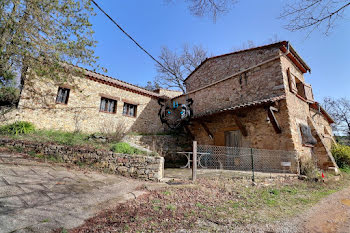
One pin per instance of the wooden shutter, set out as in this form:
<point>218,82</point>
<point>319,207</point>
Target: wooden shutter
<point>308,93</point>
<point>292,83</point>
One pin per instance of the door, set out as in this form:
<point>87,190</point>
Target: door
<point>233,138</point>
<point>233,141</point>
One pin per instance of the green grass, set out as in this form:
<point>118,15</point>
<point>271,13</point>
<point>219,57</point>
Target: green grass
<point>345,169</point>
<point>125,148</point>
<point>17,128</point>
<point>60,137</point>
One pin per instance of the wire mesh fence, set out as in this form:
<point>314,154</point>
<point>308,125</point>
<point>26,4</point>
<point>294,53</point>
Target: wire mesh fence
<point>246,159</point>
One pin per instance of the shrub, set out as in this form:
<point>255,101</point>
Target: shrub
<point>341,154</point>
<point>309,169</point>
<point>113,131</point>
<point>19,127</point>
<point>9,96</point>
<point>62,137</point>
<point>125,148</point>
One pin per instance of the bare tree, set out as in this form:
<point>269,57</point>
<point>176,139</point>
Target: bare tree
<point>211,8</point>
<point>178,67</point>
<point>339,109</point>
<point>314,14</point>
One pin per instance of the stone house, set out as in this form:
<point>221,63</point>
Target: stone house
<point>259,98</point>
<point>251,98</point>
<point>91,103</point>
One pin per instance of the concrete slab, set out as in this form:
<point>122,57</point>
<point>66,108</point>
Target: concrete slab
<point>39,197</point>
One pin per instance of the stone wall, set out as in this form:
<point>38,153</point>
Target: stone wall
<point>137,166</point>
<point>267,80</point>
<point>217,68</point>
<point>164,145</point>
<point>260,83</point>
<point>38,105</point>
<point>168,93</point>
<point>260,132</point>
<point>300,112</point>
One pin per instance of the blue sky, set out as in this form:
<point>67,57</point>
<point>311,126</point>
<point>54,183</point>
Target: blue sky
<point>156,23</point>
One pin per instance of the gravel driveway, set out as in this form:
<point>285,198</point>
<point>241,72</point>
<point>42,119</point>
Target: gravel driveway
<point>39,197</point>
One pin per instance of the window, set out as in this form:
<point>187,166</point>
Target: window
<point>129,110</point>
<point>108,105</point>
<point>301,89</point>
<point>62,95</point>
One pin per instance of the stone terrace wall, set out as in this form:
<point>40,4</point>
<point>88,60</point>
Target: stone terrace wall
<point>137,166</point>
<point>165,145</point>
<point>160,143</point>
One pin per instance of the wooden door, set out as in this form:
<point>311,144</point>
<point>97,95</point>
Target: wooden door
<point>233,138</point>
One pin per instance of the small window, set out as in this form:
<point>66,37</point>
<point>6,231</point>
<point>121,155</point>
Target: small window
<point>62,95</point>
<point>301,89</point>
<point>108,105</point>
<point>129,110</point>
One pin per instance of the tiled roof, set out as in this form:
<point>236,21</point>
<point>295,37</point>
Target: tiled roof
<point>117,83</point>
<point>241,106</point>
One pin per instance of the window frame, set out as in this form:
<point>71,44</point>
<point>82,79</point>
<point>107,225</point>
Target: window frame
<point>301,89</point>
<point>128,105</point>
<point>107,106</point>
<point>65,102</point>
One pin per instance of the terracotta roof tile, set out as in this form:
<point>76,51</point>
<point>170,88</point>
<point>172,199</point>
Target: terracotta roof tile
<point>241,106</point>
<point>116,82</point>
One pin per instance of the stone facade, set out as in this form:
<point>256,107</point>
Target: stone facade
<point>137,166</point>
<point>235,92</point>
<point>168,93</point>
<point>259,83</point>
<point>259,92</point>
<point>82,112</point>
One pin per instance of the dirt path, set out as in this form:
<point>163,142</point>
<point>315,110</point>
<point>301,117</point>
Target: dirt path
<point>331,215</point>
<point>40,197</point>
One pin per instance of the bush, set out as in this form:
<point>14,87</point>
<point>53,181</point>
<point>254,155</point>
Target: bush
<point>341,154</point>
<point>125,148</point>
<point>62,137</point>
<point>9,96</point>
<point>113,131</point>
<point>19,127</point>
<point>309,169</point>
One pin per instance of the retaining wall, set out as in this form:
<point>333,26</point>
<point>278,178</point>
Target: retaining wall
<point>137,166</point>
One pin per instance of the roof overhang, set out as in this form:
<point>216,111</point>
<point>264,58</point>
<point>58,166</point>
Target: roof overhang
<point>318,107</point>
<point>294,57</point>
<point>256,103</point>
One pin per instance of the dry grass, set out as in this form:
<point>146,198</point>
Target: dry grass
<point>210,204</point>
